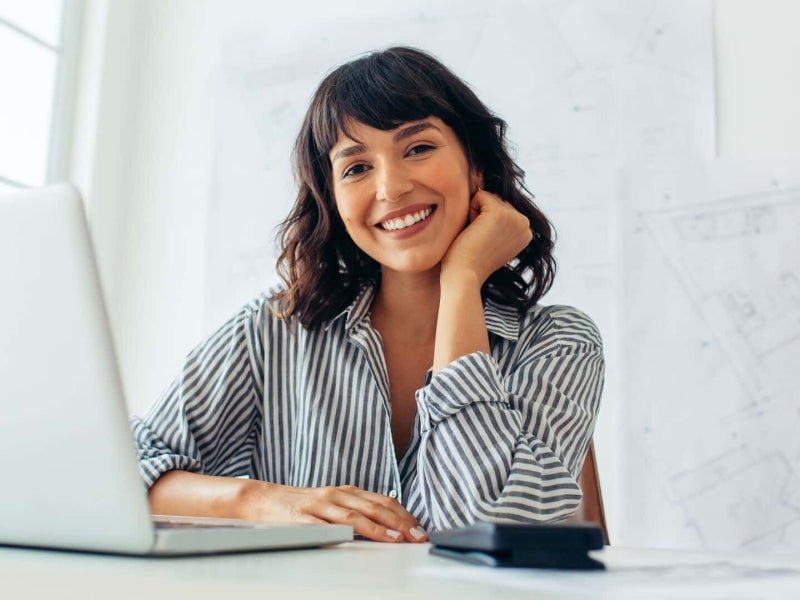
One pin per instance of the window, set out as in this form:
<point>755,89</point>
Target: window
<point>38,43</point>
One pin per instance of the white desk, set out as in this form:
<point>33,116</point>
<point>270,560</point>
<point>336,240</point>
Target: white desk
<point>375,571</point>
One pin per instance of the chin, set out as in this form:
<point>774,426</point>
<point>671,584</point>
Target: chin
<point>413,267</point>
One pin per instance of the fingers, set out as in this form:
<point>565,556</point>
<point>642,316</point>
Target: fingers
<point>479,200</point>
<point>474,211</point>
<point>310,520</point>
<point>512,222</point>
<point>496,233</point>
<point>371,515</point>
<point>361,524</point>
<point>386,512</point>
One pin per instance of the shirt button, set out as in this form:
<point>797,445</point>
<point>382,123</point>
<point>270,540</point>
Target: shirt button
<point>392,493</point>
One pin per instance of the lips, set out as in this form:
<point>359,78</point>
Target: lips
<point>401,219</point>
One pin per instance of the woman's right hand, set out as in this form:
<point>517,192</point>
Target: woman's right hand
<point>496,233</point>
<point>371,515</point>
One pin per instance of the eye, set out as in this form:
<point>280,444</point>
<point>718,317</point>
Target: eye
<point>420,149</point>
<point>354,170</point>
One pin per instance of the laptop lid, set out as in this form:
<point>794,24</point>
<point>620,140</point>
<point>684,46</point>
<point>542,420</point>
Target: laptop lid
<point>67,453</point>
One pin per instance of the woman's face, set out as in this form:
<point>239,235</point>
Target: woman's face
<point>403,194</point>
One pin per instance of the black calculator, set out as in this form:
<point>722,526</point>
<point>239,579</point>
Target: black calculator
<point>549,546</point>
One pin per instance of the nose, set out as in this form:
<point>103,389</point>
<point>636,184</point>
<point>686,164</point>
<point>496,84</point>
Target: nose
<point>392,182</point>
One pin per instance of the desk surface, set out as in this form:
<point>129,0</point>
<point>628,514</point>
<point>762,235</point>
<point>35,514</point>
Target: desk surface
<point>371,570</point>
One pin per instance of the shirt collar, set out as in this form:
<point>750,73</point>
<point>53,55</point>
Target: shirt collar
<point>501,320</point>
<point>357,311</point>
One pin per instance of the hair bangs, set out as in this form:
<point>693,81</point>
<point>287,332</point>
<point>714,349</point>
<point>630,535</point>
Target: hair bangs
<point>375,92</point>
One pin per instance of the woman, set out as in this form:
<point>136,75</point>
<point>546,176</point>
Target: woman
<point>404,378</point>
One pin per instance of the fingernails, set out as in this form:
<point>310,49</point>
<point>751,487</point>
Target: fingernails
<point>393,534</point>
<point>418,533</point>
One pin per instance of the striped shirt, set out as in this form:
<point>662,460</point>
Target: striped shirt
<point>497,437</point>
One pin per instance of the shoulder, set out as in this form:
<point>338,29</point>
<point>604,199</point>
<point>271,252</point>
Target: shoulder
<point>252,319</point>
<point>267,313</point>
<point>560,324</point>
<point>254,312</point>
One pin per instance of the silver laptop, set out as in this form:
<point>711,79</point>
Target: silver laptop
<point>67,457</point>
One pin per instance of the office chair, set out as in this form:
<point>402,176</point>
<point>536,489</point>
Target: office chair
<point>591,507</point>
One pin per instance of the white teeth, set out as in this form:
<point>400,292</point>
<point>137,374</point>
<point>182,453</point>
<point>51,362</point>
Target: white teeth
<point>407,221</point>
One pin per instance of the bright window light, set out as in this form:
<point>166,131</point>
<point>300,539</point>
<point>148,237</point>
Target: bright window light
<point>39,18</point>
<point>31,66</point>
<point>27,77</point>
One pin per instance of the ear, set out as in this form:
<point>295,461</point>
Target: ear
<point>475,180</point>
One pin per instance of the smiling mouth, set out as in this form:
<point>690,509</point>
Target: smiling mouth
<point>407,221</point>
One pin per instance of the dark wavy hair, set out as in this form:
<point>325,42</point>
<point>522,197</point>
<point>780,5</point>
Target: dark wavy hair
<point>322,268</point>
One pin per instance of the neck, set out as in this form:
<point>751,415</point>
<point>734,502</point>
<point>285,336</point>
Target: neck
<point>408,304</point>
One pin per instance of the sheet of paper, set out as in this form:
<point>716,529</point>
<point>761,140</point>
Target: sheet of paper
<point>712,319</point>
<point>636,574</point>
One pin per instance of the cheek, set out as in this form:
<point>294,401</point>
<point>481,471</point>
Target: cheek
<point>343,207</point>
<point>348,205</point>
<point>462,196</point>
<point>350,213</point>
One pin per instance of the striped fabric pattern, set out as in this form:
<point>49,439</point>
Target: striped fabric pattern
<point>496,437</point>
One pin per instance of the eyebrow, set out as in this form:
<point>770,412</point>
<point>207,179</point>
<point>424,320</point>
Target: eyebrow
<point>400,135</point>
<point>349,151</point>
<point>414,129</point>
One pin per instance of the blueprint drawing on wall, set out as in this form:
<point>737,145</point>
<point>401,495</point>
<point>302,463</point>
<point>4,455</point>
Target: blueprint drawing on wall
<point>712,293</point>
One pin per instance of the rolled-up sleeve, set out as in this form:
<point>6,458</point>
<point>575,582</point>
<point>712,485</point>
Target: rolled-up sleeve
<point>206,421</point>
<point>507,444</point>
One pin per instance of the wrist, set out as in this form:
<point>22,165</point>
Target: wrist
<point>250,498</point>
<point>460,278</point>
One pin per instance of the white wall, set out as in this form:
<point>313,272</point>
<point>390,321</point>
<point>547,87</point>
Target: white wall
<point>757,77</point>
<point>142,154</point>
<point>141,158</point>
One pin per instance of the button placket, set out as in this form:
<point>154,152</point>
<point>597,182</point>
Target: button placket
<point>369,340</point>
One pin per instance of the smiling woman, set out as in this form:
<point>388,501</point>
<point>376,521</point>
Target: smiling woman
<point>405,376</point>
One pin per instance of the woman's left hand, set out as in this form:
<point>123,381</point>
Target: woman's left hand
<point>496,233</point>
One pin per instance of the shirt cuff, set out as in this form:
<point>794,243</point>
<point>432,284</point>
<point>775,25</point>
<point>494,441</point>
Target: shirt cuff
<point>471,378</point>
<point>153,468</point>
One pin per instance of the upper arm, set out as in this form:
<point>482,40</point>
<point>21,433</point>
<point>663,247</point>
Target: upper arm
<point>205,420</point>
<point>556,380</point>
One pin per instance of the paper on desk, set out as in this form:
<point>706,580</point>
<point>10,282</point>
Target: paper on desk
<point>642,575</point>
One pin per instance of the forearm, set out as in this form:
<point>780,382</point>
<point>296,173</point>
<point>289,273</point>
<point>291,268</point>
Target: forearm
<point>478,458</point>
<point>193,494</point>
<point>468,472</point>
<point>460,327</point>
<point>491,452</point>
<point>496,233</point>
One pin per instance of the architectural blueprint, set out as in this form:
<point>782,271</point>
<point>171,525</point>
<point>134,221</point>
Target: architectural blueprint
<point>712,323</point>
